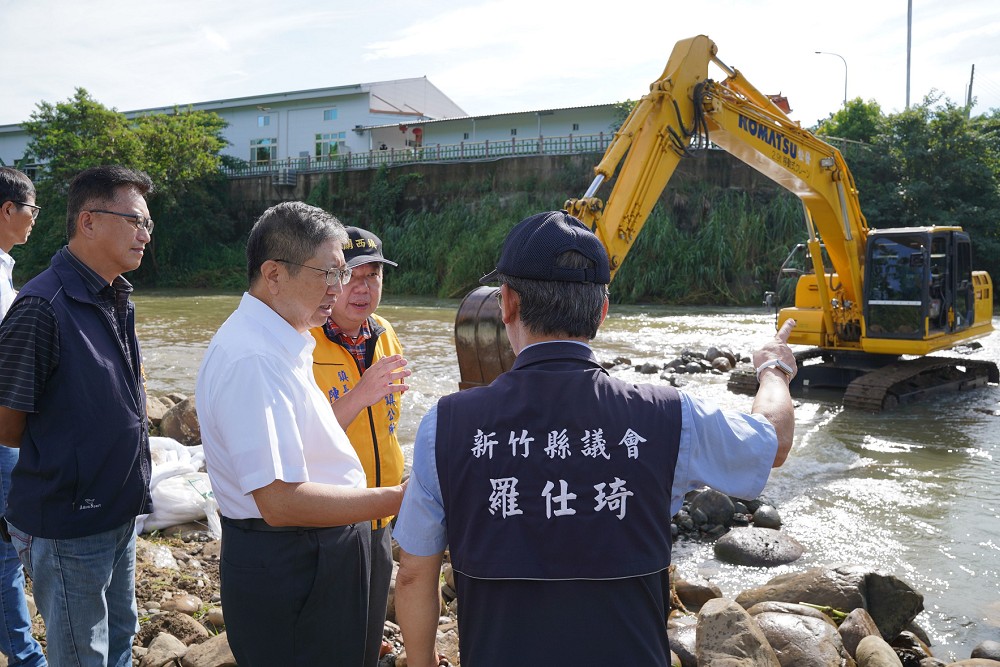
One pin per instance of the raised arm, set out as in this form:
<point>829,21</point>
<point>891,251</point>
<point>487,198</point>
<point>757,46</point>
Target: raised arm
<point>773,400</point>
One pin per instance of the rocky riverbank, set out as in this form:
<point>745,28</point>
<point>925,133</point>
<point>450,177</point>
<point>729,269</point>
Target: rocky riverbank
<point>837,616</point>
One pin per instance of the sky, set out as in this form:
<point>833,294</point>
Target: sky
<point>491,56</point>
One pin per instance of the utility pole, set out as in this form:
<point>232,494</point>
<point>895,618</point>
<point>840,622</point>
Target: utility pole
<point>909,38</point>
<point>968,98</point>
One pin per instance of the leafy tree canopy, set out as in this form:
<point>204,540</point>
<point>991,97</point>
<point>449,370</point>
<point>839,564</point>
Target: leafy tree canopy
<point>179,151</point>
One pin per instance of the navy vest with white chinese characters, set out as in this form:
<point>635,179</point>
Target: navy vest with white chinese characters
<point>84,465</point>
<point>558,471</point>
<point>556,483</point>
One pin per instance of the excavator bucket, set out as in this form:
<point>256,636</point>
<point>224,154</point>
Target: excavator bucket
<point>481,339</point>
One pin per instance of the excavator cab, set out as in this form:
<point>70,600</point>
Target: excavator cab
<point>918,283</point>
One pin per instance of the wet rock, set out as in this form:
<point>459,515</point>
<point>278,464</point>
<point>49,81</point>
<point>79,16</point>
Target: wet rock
<point>164,650</point>
<point>179,625</point>
<point>674,364</point>
<point>647,369</point>
<point>910,649</point>
<point>932,662</point>
<point>858,625</point>
<point>699,517</point>
<point>975,662</point>
<point>722,364</point>
<point>767,517</point>
<point>891,602</point>
<point>789,608</point>
<point>694,593</point>
<point>758,547</point>
<point>873,651</point>
<point>181,423</point>
<point>802,641</point>
<point>214,652</point>
<point>717,507</point>
<point>727,635</point>
<point>988,649</point>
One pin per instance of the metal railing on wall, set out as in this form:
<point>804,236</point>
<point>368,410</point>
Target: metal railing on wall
<point>464,151</point>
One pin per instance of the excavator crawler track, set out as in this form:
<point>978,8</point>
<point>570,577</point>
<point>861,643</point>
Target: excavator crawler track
<point>910,380</point>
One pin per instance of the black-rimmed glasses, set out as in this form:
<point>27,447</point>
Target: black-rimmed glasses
<point>138,221</point>
<point>34,209</point>
<point>333,276</point>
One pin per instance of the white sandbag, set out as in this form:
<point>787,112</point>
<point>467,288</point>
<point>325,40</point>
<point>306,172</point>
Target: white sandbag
<point>180,499</point>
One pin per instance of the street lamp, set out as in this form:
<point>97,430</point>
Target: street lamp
<point>827,53</point>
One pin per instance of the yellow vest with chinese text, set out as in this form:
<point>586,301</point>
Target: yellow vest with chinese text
<point>373,431</point>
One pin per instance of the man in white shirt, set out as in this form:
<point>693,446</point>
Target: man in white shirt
<point>291,489</point>
<point>17,216</point>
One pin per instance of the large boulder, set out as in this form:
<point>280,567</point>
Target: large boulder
<point>803,641</point>
<point>717,507</point>
<point>891,603</point>
<point>181,423</point>
<point>728,637</point>
<point>757,547</point>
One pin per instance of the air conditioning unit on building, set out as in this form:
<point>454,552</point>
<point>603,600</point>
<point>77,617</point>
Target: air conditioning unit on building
<point>284,177</point>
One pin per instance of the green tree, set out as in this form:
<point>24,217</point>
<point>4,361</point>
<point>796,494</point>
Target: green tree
<point>180,152</point>
<point>857,121</point>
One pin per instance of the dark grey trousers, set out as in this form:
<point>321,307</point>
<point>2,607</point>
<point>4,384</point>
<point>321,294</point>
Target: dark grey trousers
<point>296,597</point>
<point>378,597</point>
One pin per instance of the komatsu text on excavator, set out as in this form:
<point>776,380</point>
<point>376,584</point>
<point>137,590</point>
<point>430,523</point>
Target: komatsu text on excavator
<point>872,303</point>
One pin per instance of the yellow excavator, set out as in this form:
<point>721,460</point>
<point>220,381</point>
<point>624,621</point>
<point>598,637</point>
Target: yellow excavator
<point>871,303</point>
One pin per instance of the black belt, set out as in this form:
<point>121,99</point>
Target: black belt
<point>263,526</point>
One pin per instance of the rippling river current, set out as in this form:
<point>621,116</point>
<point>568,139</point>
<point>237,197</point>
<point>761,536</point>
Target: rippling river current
<point>914,492</point>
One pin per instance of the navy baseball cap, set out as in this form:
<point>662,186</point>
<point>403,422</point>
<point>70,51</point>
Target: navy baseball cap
<point>532,246</point>
<point>363,247</point>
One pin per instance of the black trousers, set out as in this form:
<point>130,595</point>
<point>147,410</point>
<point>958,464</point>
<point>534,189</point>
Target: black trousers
<point>296,597</point>
<point>378,597</point>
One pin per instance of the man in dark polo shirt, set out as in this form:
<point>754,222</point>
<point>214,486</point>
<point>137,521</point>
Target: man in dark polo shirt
<point>72,400</point>
<point>18,211</point>
<point>554,486</point>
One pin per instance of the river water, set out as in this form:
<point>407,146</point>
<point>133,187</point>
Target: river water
<point>913,492</point>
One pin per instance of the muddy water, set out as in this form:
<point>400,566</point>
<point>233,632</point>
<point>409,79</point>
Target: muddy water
<point>914,492</point>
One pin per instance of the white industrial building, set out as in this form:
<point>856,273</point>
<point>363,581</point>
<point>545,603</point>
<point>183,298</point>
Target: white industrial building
<point>371,123</point>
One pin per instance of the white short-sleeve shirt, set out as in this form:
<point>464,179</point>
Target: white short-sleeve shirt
<point>262,416</point>
<point>7,292</point>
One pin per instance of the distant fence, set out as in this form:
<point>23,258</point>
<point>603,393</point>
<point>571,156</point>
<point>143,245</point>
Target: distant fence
<point>284,172</point>
<point>461,152</point>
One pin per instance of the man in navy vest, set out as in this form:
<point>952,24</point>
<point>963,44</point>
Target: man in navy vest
<point>554,486</point>
<point>72,400</point>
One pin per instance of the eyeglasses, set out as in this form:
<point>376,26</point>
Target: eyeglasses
<point>333,276</point>
<point>34,209</point>
<point>138,221</point>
